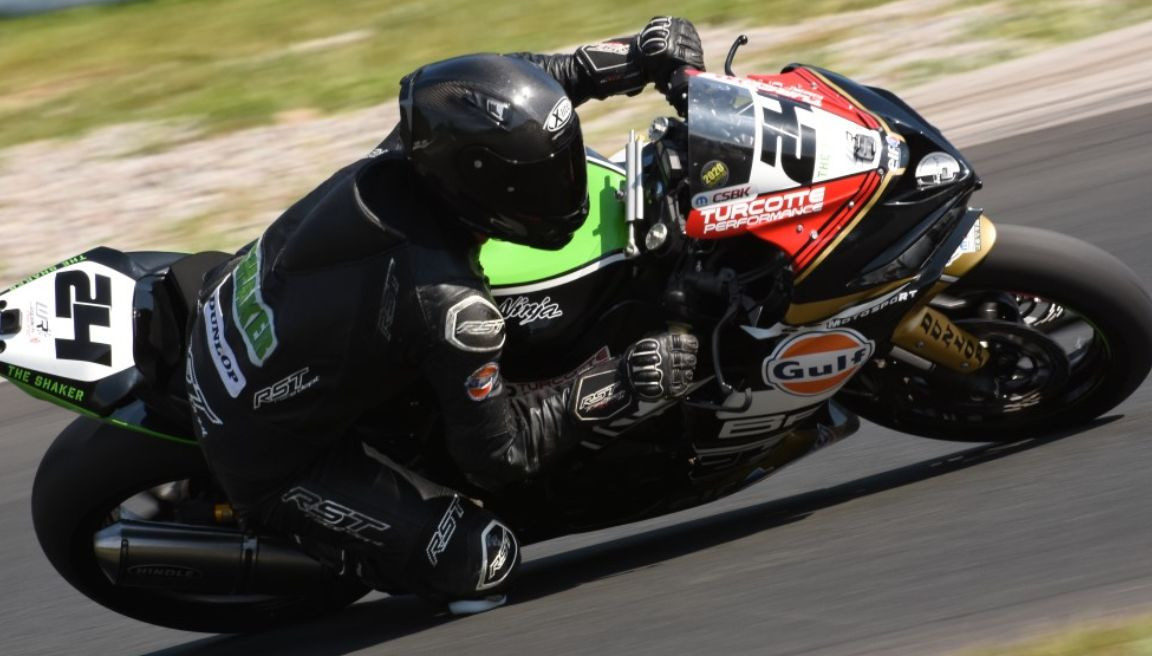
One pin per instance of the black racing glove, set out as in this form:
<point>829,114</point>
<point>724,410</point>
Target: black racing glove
<point>668,44</point>
<point>661,366</point>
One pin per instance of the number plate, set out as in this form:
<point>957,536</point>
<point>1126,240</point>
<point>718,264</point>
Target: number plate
<point>75,323</point>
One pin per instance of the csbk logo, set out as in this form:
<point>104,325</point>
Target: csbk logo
<point>816,363</point>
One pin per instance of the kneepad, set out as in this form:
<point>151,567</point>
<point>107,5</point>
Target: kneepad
<point>468,552</point>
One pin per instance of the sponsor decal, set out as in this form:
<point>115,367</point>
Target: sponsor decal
<point>475,325</point>
<point>559,116</point>
<point>758,426</point>
<point>253,318</point>
<point>863,146</point>
<point>860,312</point>
<point>895,156</point>
<point>45,384</point>
<point>444,531</point>
<point>38,322</point>
<point>818,362</point>
<point>336,516</point>
<point>222,356</point>
<point>484,382</point>
<point>722,196</point>
<point>600,396</point>
<point>714,174</point>
<point>942,333</point>
<point>600,356</point>
<point>529,311</point>
<point>613,47</point>
<point>87,302</point>
<point>499,553</point>
<point>164,572</point>
<point>284,389</point>
<point>200,407</point>
<point>823,165</point>
<point>971,243</point>
<point>374,153</point>
<point>762,210</point>
<point>388,302</point>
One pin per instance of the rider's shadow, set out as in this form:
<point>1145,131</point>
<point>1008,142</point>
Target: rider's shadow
<point>376,622</point>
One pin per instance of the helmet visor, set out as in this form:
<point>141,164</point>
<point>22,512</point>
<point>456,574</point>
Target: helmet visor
<point>550,190</point>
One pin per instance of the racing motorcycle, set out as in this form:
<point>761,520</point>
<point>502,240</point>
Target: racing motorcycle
<point>815,232</point>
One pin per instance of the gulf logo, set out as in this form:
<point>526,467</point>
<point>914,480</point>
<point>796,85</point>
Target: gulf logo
<point>484,382</point>
<point>816,363</point>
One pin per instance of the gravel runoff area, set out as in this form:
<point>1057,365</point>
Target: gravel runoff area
<point>159,186</point>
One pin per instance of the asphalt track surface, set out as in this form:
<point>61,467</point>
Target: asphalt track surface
<point>883,544</point>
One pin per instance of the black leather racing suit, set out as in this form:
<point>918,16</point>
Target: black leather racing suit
<point>363,287</point>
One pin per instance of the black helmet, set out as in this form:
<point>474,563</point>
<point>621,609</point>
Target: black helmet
<point>498,138</point>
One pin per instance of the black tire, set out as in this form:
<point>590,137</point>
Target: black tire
<point>90,469</point>
<point>1079,276</point>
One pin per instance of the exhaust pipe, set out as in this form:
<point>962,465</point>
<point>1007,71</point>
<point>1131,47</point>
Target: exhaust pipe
<point>203,559</point>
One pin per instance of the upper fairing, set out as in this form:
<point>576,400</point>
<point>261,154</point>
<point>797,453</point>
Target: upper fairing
<point>785,157</point>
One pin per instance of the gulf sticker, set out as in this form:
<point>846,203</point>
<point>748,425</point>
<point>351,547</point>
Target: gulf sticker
<point>816,363</point>
<point>484,382</point>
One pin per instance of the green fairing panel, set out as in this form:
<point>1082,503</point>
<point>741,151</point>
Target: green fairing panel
<point>604,232</point>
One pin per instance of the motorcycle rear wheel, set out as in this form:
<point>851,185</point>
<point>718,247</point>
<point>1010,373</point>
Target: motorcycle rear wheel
<point>1034,289</point>
<point>90,470</point>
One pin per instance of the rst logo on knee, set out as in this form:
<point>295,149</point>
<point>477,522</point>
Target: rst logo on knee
<point>335,516</point>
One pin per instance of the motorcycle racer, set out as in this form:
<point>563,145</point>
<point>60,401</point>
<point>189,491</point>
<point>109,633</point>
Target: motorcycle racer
<point>371,284</point>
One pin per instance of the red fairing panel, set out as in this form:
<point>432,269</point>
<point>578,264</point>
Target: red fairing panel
<point>805,86</point>
<point>801,221</point>
<point>817,161</point>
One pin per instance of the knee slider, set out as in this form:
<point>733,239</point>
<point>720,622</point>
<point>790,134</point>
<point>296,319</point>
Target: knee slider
<point>469,553</point>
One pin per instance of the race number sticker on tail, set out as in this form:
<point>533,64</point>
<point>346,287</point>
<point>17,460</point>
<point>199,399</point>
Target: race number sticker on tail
<point>816,363</point>
<point>73,320</point>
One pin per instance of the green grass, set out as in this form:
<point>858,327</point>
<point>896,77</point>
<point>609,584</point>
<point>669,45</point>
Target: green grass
<point>232,63</point>
<point>1131,639</point>
<point>227,64</point>
<point>1047,22</point>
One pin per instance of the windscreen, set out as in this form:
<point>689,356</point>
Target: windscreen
<point>721,133</point>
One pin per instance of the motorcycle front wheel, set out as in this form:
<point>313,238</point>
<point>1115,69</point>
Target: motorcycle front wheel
<point>94,474</point>
<point>1069,329</point>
